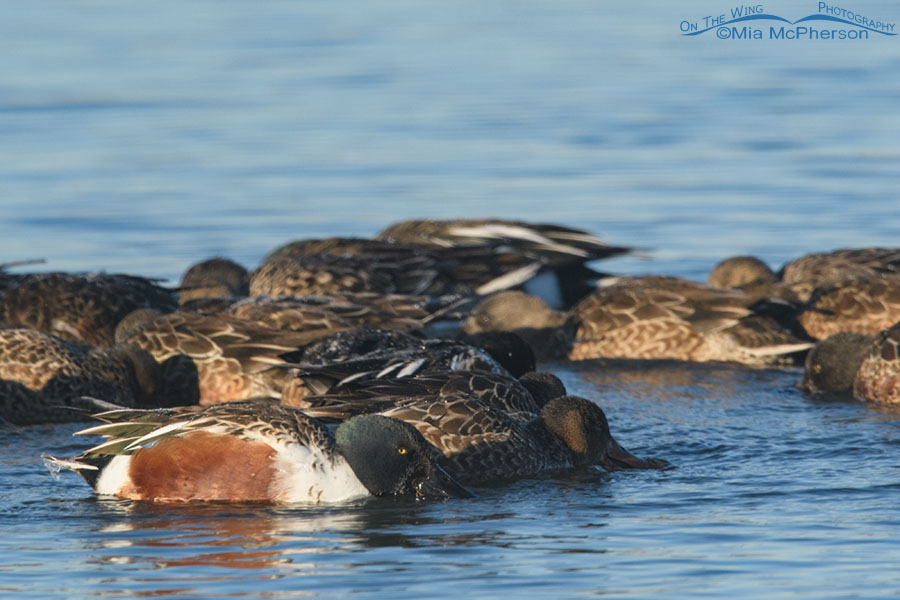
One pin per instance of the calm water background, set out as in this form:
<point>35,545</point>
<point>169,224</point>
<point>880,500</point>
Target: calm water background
<point>143,137</point>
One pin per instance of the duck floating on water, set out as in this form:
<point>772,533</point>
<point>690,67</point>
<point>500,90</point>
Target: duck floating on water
<point>256,452</point>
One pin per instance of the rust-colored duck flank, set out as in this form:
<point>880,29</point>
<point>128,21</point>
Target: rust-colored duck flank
<point>255,452</point>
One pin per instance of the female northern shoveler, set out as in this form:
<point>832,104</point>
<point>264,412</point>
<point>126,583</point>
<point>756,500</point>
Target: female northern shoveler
<point>391,311</point>
<point>547,331</point>
<point>827,269</point>
<point>77,306</point>
<point>214,278</point>
<point>864,306</point>
<point>43,377</point>
<point>478,442</point>
<point>669,317</point>
<point>522,398</point>
<point>878,377</point>
<point>256,452</point>
<point>855,290</point>
<point>646,317</point>
<point>217,358</point>
<point>318,274</point>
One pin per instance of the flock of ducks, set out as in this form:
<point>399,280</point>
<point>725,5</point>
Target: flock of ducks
<point>405,364</point>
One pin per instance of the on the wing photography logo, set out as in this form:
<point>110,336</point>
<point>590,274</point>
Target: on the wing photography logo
<point>829,22</point>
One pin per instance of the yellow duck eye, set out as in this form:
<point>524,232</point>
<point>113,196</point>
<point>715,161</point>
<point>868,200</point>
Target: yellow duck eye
<point>402,450</point>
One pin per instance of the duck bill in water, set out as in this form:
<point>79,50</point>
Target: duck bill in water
<point>440,485</point>
<point>618,458</point>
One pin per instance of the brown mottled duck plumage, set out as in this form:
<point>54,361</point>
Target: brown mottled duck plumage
<point>878,377</point>
<point>78,306</point>
<point>42,377</point>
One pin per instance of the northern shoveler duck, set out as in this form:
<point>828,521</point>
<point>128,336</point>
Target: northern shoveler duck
<point>753,277</point>
<point>318,275</point>
<point>653,317</point>
<point>827,269</point>
<point>496,352</point>
<point>42,377</point>
<point>801,277</point>
<point>218,358</point>
<point>422,269</point>
<point>864,306</point>
<point>555,243</point>
<point>741,272</point>
<point>255,452</point>
<point>560,251</point>
<point>478,442</point>
<point>832,363</point>
<point>668,317</point>
<point>856,290</point>
<point>547,331</point>
<point>389,311</point>
<point>77,306</point>
<point>516,397</point>
<point>214,278</point>
<point>370,353</point>
<point>878,377</point>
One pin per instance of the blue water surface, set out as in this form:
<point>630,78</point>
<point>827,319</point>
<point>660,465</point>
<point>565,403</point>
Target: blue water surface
<point>141,138</point>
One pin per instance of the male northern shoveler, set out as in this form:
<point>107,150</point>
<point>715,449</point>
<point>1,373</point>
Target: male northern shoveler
<point>42,377</point>
<point>371,353</point>
<point>559,251</point>
<point>555,243</point>
<point>78,306</point>
<point>256,452</point>
<point>878,377</point>
<point>425,269</point>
